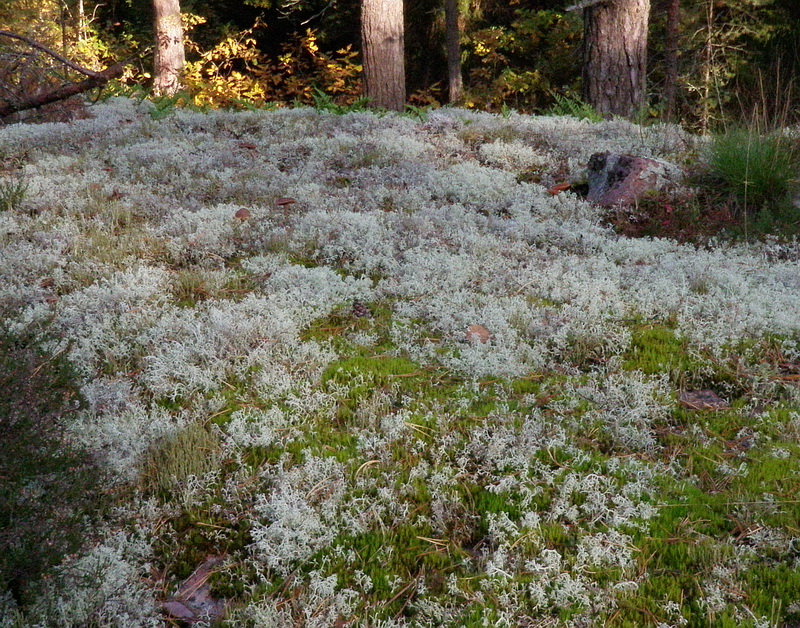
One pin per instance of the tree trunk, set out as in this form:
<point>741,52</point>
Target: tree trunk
<point>63,24</point>
<point>169,53</point>
<point>671,58</point>
<point>453,45</point>
<point>383,54</point>
<point>82,23</point>
<point>705,115</point>
<point>615,56</point>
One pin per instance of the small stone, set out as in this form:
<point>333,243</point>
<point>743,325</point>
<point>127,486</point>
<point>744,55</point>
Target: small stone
<point>478,333</point>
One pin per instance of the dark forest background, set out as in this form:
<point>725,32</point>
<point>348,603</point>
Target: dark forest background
<point>736,58</point>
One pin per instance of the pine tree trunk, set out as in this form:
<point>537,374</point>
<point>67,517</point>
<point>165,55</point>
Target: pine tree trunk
<point>671,58</point>
<point>382,38</point>
<point>169,53</point>
<point>453,46</point>
<point>615,56</point>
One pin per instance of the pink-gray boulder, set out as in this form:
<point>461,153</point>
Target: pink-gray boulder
<point>616,180</point>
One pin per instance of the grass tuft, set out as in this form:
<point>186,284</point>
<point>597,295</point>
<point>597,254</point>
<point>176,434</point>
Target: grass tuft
<point>12,194</point>
<point>758,170</point>
<point>192,451</point>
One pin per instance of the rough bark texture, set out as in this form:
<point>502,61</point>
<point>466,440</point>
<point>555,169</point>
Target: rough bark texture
<point>453,44</point>
<point>169,53</point>
<point>615,56</point>
<point>671,58</point>
<point>382,49</point>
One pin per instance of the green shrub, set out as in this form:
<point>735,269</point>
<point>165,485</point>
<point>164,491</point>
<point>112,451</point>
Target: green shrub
<point>759,171</point>
<point>50,488</point>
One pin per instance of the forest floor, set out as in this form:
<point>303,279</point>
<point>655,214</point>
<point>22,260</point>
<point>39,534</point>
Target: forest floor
<point>365,370</point>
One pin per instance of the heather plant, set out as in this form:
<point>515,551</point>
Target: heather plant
<point>51,486</point>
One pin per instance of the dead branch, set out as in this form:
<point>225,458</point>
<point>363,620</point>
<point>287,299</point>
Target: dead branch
<point>63,92</point>
<point>34,88</point>
<point>35,44</point>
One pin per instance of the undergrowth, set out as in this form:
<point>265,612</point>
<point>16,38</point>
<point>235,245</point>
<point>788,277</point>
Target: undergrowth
<point>51,492</point>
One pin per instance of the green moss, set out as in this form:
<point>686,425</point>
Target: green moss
<point>339,444</point>
<point>656,349</point>
<point>191,451</point>
<point>700,508</point>
<point>378,369</point>
<point>394,559</point>
<point>342,321</point>
<point>772,591</point>
<point>290,454</point>
<point>202,531</point>
<point>363,376</point>
<point>530,385</point>
<point>485,503</point>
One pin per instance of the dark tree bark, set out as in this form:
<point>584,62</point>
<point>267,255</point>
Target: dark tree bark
<point>455,80</point>
<point>382,39</point>
<point>169,53</point>
<point>671,58</point>
<point>615,55</point>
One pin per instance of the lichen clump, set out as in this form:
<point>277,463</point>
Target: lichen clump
<point>293,389</point>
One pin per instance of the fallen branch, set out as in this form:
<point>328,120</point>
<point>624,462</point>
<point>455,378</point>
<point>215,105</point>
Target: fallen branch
<point>35,44</point>
<point>63,92</point>
<point>43,95</point>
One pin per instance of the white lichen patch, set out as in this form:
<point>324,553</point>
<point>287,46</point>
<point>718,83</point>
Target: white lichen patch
<point>301,285</point>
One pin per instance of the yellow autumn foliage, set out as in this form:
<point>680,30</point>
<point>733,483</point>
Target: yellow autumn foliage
<point>235,73</point>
